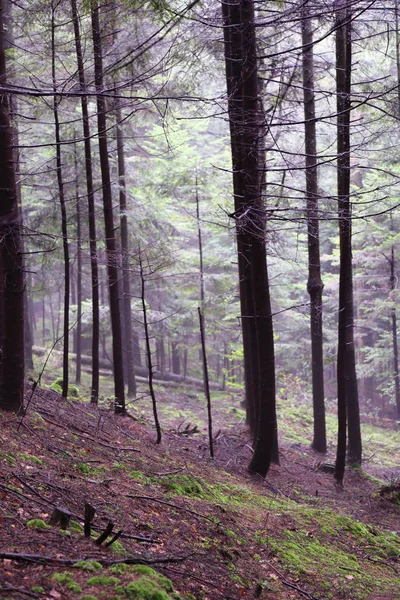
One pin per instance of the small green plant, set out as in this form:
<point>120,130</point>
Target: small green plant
<point>103,580</point>
<point>88,565</point>
<point>38,589</point>
<point>119,569</point>
<point>38,524</point>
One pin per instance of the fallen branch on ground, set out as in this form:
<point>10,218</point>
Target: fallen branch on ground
<point>70,562</point>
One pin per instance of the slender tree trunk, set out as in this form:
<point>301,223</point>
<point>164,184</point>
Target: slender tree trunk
<point>176,359</point>
<point>111,245</point>
<point>78,349</point>
<point>206,383</point>
<point>91,210</point>
<point>314,284</point>
<point>148,349</point>
<point>61,196</point>
<point>13,284</point>
<point>126,283</point>
<point>348,408</point>
<point>243,107</point>
<point>394,336</point>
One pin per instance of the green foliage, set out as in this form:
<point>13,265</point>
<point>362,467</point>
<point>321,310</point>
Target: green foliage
<point>103,580</point>
<point>37,524</point>
<point>88,565</point>
<point>57,385</point>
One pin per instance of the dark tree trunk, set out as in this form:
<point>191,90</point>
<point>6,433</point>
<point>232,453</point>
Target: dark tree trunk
<point>91,211</point>
<point>127,330</point>
<point>348,408</point>
<point>233,60</point>
<point>9,44</point>
<point>314,284</point>
<point>394,336</point>
<point>111,245</point>
<point>12,285</point>
<point>61,195</point>
<point>176,358</point>
<point>148,349</point>
<point>244,118</point>
<point>78,332</point>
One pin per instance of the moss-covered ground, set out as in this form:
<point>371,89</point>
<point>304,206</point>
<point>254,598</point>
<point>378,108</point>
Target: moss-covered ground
<point>206,529</point>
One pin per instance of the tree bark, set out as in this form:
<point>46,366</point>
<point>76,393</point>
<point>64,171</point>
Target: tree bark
<point>78,338</point>
<point>126,283</point>
<point>111,245</point>
<point>394,336</point>
<point>61,196</point>
<point>91,210</point>
<point>12,284</point>
<point>348,407</point>
<point>314,284</point>
<point>250,218</point>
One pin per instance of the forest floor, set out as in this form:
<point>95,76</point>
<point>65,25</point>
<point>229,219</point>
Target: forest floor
<point>192,528</point>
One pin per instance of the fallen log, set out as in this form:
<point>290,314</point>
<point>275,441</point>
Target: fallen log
<point>140,371</point>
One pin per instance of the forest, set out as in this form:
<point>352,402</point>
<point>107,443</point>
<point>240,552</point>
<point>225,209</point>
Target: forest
<point>199,252</point>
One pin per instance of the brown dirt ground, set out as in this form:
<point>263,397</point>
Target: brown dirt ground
<point>65,453</point>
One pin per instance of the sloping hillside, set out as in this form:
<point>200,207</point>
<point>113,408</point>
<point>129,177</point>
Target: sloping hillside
<point>190,527</point>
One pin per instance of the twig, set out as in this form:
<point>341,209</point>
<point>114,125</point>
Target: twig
<point>381,562</point>
<point>151,499</point>
<point>88,437</point>
<point>37,381</point>
<point>105,534</point>
<point>291,585</point>
<point>70,562</point>
<point>12,589</point>
<point>139,538</point>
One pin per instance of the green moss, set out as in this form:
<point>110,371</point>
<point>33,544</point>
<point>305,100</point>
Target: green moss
<point>38,589</point>
<point>89,597</point>
<point>118,549</point>
<point>57,385</point>
<point>38,524</point>
<point>29,458</point>
<point>74,587</point>
<point>119,569</point>
<point>137,475</point>
<point>163,581</point>
<point>103,580</point>
<point>144,570</point>
<point>76,527</point>
<point>65,577</point>
<point>88,565</point>
<point>9,457</point>
<point>145,589</point>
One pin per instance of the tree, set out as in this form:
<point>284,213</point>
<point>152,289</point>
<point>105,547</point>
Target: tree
<point>12,277</point>
<point>111,245</point>
<point>91,208</point>
<point>314,284</point>
<point>348,407</point>
<point>250,220</point>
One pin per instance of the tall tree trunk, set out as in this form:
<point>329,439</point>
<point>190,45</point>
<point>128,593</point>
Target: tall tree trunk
<point>314,284</point>
<point>10,45</point>
<point>61,196</point>
<point>394,336</point>
<point>12,285</point>
<point>243,108</point>
<point>126,283</point>
<point>233,59</point>
<point>78,338</point>
<point>91,211</point>
<point>348,407</point>
<point>111,245</point>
